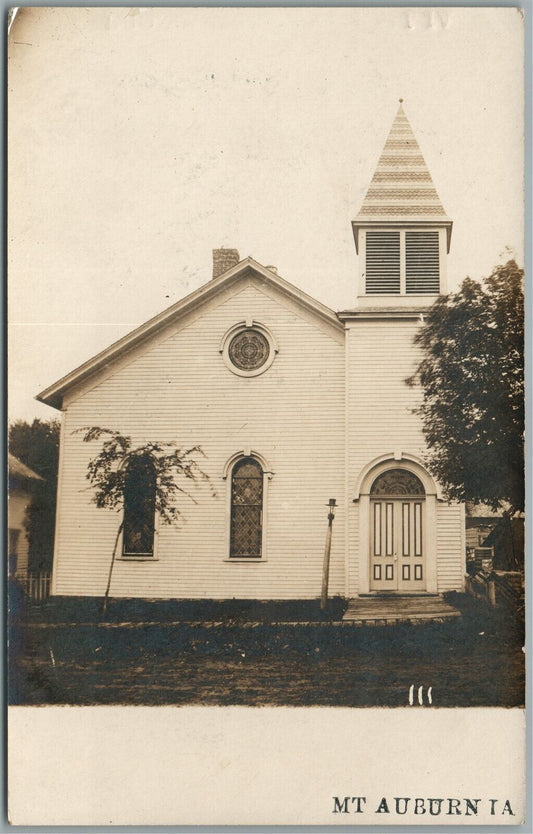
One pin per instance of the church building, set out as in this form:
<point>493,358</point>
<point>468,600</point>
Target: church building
<point>292,404</point>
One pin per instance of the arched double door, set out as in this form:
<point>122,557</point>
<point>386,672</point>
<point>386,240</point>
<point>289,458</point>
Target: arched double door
<point>397,546</point>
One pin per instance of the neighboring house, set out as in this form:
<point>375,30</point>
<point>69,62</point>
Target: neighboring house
<point>507,541</point>
<point>292,404</point>
<point>489,528</point>
<point>21,478</point>
<point>480,521</point>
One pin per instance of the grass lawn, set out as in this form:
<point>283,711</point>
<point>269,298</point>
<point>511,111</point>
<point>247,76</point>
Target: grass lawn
<point>242,657</point>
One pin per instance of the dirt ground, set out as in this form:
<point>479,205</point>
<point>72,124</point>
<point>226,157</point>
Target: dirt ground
<point>477,661</point>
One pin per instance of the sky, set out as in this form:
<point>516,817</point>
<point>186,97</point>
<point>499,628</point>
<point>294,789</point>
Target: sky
<point>141,139</point>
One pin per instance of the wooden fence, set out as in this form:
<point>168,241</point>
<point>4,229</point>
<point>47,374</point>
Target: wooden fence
<point>38,586</point>
<point>497,588</point>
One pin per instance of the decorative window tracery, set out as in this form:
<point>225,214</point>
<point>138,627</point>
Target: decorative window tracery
<point>397,482</point>
<point>249,350</point>
<point>246,509</point>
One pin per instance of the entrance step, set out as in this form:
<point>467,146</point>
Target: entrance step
<point>389,610</point>
<point>399,595</point>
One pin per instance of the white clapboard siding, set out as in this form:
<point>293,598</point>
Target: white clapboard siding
<point>381,420</point>
<point>180,389</point>
<point>353,544</point>
<point>450,547</point>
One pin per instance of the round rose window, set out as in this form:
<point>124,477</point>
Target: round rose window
<point>249,350</point>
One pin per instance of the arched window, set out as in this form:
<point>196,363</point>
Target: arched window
<point>246,509</point>
<point>139,507</point>
<point>397,482</point>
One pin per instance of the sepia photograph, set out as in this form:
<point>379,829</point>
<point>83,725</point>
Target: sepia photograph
<point>266,368</point>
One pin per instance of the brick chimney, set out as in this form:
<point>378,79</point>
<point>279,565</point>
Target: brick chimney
<point>224,259</point>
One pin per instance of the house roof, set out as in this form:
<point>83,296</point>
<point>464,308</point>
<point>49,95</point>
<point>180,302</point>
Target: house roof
<point>481,511</point>
<point>401,191</point>
<point>53,395</point>
<point>17,469</point>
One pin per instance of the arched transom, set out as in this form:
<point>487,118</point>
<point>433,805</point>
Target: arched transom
<point>397,482</point>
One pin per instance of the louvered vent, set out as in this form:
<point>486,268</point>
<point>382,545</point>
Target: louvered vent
<point>422,263</point>
<point>383,263</point>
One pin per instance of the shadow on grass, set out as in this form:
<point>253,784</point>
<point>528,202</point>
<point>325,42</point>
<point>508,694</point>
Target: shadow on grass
<point>89,610</point>
<point>239,655</point>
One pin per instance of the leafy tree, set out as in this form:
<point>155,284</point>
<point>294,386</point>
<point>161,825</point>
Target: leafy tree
<point>172,467</point>
<point>37,445</point>
<point>472,380</point>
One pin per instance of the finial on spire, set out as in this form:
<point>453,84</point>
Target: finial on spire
<point>400,100</point>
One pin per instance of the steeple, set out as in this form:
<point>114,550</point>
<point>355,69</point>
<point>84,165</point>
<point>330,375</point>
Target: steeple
<point>402,233</point>
<point>401,189</point>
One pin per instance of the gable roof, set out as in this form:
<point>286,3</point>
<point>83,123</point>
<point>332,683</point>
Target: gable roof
<point>53,395</point>
<point>401,191</point>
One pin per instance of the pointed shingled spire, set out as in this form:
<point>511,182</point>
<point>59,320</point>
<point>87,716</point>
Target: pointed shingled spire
<point>401,189</point>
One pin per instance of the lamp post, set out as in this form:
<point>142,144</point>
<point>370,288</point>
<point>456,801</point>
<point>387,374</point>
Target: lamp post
<point>332,504</point>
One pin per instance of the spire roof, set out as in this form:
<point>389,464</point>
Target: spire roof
<point>401,189</point>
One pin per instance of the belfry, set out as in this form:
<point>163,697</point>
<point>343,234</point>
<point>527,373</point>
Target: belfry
<point>402,233</point>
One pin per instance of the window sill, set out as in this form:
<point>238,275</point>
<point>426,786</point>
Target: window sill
<point>138,559</point>
<point>244,559</point>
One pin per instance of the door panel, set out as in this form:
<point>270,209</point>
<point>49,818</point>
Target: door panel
<point>396,545</point>
<point>412,576</point>
<point>383,561</point>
